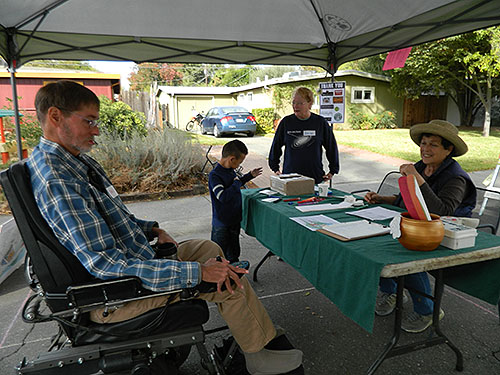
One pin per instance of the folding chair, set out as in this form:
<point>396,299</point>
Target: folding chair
<point>156,342</point>
<point>388,186</point>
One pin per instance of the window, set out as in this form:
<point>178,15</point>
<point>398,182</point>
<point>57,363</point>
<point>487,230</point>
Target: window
<point>362,94</point>
<point>249,97</point>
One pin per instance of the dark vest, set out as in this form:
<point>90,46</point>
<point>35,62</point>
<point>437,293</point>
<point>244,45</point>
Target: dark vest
<point>449,169</point>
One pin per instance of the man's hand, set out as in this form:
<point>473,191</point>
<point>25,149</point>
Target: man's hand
<point>163,236</point>
<point>222,272</point>
<point>256,172</point>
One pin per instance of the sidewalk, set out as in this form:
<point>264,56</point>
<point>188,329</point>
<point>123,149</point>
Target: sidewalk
<point>331,342</point>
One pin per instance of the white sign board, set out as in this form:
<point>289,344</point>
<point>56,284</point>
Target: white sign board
<point>332,101</point>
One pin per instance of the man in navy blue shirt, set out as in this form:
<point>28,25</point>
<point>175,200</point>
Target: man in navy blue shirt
<point>224,185</point>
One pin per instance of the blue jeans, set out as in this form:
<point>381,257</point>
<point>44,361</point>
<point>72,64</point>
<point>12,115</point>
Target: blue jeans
<point>228,238</point>
<point>418,281</point>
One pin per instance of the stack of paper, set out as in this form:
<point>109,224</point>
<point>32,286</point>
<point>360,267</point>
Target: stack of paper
<point>354,230</point>
<point>412,196</point>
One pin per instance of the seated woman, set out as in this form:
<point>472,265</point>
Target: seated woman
<point>447,190</point>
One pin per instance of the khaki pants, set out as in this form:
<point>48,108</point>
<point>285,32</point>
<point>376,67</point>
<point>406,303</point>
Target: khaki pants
<point>244,314</point>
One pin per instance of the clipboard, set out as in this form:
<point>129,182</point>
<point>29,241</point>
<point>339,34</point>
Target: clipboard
<point>354,230</point>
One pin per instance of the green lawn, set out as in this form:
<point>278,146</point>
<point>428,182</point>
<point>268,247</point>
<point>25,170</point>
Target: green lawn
<point>483,152</point>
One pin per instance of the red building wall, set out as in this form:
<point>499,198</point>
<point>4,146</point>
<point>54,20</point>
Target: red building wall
<point>28,87</point>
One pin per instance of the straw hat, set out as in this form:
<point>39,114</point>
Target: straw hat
<point>442,128</point>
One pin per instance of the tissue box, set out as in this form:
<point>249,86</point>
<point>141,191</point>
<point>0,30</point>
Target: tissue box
<point>292,184</point>
<point>458,236</point>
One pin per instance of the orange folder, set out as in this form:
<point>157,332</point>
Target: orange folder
<point>412,196</point>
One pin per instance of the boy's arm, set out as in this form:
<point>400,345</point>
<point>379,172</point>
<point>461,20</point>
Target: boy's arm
<point>222,194</point>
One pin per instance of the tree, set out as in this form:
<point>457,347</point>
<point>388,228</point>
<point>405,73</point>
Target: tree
<point>147,73</point>
<point>463,66</point>
<point>372,64</point>
<point>62,64</point>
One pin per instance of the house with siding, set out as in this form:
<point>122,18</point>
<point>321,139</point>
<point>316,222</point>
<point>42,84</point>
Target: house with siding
<point>366,92</point>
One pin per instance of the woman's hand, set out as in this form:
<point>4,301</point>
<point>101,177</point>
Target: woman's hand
<point>372,197</point>
<point>409,169</point>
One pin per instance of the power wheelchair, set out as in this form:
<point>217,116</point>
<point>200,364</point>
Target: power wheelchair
<point>156,342</point>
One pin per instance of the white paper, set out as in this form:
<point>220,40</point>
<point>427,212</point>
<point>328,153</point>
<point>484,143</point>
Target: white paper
<point>268,192</point>
<point>314,222</point>
<point>422,200</point>
<point>323,207</point>
<point>270,199</point>
<point>375,213</point>
<point>355,229</point>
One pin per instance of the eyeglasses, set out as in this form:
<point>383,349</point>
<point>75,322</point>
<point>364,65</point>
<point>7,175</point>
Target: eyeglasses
<point>91,123</point>
<point>299,103</point>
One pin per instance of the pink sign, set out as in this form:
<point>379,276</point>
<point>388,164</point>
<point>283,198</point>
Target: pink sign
<point>396,59</point>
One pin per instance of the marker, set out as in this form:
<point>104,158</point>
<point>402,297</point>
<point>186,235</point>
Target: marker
<point>291,199</point>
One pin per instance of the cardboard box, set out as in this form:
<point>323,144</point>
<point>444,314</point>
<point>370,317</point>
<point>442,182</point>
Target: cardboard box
<point>292,184</point>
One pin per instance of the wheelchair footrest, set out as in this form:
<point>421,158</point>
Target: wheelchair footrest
<point>89,359</point>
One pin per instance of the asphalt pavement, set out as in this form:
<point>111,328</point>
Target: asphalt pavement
<point>331,342</point>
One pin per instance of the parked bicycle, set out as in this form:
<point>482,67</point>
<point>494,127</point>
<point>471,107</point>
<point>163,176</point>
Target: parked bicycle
<point>195,121</point>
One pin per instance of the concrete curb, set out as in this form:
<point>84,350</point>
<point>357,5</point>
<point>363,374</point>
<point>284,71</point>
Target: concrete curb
<point>197,189</point>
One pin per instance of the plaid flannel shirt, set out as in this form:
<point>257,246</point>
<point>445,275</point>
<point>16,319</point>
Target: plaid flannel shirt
<point>99,229</point>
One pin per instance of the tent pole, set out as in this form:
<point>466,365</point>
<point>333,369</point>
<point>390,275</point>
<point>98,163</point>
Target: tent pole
<point>13,84</point>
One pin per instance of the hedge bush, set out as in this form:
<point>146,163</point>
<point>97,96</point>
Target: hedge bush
<point>364,121</point>
<point>265,118</point>
<point>119,119</point>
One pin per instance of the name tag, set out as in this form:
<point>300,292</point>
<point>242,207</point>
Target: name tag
<point>112,191</point>
<point>309,133</point>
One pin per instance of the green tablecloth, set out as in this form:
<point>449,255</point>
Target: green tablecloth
<point>348,272</point>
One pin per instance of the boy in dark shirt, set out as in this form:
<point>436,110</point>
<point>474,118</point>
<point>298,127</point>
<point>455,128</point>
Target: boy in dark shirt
<point>224,185</point>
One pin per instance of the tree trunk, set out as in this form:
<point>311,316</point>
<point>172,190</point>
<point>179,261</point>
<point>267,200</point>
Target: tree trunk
<point>465,101</point>
<point>487,109</point>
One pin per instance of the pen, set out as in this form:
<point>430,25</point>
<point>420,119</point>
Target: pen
<point>291,199</point>
<point>306,203</point>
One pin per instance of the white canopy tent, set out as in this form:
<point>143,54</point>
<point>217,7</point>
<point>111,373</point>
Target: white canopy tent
<point>324,33</point>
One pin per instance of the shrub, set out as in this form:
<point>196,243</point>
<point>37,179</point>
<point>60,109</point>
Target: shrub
<point>119,119</point>
<point>363,121</point>
<point>30,127</point>
<point>265,118</point>
<point>164,158</point>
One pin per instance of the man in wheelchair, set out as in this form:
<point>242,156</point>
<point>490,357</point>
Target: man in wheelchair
<point>88,218</point>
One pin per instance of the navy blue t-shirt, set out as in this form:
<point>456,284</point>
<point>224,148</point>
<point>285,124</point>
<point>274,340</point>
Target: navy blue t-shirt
<point>303,141</point>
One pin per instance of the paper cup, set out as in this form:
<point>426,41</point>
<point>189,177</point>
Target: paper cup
<point>323,189</point>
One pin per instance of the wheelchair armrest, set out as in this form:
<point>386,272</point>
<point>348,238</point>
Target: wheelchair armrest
<point>102,291</point>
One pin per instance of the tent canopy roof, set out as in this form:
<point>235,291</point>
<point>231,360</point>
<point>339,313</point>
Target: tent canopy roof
<point>324,33</point>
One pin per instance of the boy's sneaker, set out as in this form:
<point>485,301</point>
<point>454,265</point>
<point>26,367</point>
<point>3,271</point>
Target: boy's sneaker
<point>416,323</point>
<point>386,303</point>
